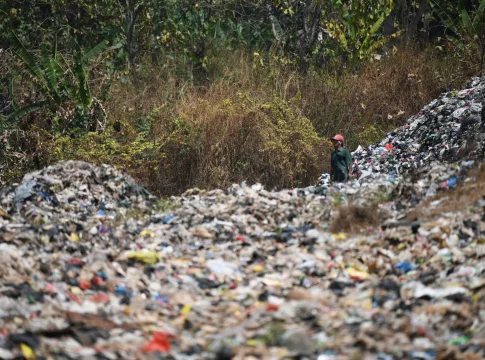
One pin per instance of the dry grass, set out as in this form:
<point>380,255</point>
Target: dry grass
<point>454,200</point>
<point>218,137</point>
<point>353,218</point>
<point>237,129</point>
<point>382,95</point>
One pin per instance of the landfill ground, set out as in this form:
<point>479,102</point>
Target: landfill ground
<point>390,265</point>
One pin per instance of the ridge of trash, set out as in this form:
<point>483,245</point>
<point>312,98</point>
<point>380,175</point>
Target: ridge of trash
<point>94,266</point>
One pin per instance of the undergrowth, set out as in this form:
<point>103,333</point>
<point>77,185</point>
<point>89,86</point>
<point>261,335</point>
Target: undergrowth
<point>209,144</point>
<point>248,121</point>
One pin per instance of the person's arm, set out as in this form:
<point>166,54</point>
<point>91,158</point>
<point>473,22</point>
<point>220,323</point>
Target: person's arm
<point>331,167</point>
<point>349,160</point>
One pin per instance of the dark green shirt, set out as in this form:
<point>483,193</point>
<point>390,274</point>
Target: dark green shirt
<point>340,162</point>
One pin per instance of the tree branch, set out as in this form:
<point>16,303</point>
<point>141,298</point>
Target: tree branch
<point>273,26</point>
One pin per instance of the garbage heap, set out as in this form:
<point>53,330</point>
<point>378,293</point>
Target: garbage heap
<point>447,130</point>
<point>95,267</point>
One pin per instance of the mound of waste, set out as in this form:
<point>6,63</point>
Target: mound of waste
<point>95,267</point>
<point>447,130</point>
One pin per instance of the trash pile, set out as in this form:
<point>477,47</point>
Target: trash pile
<point>447,130</point>
<point>95,267</point>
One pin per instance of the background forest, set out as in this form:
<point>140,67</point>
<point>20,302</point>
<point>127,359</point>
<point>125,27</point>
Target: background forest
<point>206,93</point>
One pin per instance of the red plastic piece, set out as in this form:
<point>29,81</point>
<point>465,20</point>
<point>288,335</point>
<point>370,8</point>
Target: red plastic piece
<point>160,342</point>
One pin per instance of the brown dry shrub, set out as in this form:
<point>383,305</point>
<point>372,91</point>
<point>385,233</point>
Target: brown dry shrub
<point>240,128</point>
<point>382,95</point>
<point>208,138</point>
<point>218,138</point>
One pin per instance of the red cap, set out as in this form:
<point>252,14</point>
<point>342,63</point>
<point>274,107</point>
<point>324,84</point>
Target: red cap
<point>338,137</point>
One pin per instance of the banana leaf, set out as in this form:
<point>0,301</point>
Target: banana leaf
<point>467,23</point>
<point>12,118</point>
<point>372,31</point>
<point>51,75</point>
<point>479,14</point>
<point>95,51</point>
<point>83,86</point>
<point>22,53</point>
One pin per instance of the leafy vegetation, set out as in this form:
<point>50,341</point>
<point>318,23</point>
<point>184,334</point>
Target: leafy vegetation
<point>58,83</point>
<point>203,93</point>
<point>465,26</point>
<point>215,139</point>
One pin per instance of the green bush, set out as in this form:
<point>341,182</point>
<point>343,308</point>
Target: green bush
<point>210,144</point>
<point>369,135</point>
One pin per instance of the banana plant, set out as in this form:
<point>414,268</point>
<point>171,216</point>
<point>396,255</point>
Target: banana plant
<point>54,76</point>
<point>358,26</point>
<point>468,25</point>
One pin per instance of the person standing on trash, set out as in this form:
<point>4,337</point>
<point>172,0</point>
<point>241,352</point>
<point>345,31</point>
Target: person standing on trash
<point>341,161</point>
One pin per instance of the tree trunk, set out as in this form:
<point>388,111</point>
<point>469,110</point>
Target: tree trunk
<point>310,21</point>
<point>388,24</point>
<point>130,25</point>
<point>413,27</point>
<point>199,72</point>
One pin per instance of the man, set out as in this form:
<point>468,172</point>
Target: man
<point>341,161</point>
